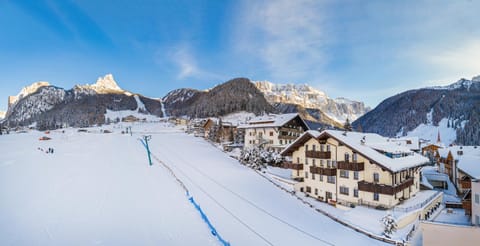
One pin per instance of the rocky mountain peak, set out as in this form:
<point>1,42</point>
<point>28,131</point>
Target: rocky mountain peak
<point>104,85</point>
<point>310,98</point>
<point>27,90</point>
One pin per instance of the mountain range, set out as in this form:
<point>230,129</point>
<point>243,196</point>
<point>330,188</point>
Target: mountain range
<point>49,107</point>
<point>449,111</point>
<point>338,110</point>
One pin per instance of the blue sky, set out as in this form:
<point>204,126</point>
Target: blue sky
<point>363,50</point>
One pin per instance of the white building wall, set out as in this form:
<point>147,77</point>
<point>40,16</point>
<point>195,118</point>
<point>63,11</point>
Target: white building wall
<point>476,202</point>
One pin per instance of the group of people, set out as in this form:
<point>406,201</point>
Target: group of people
<point>48,151</point>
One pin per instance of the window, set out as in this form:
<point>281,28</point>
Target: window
<point>321,163</point>
<point>344,174</point>
<point>306,161</point>
<point>316,191</point>
<point>328,195</point>
<point>313,176</point>
<point>306,175</point>
<point>354,157</point>
<point>313,162</point>
<point>477,220</point>
<point>260,134</point>
<point>329,165</point>
<point>347,157</point>
<point>306,147</point>
<point>298,160</point>
<point>375,177</point>
<point>375,196</point>
<point>321,147</point>
<point>321,177</point>
<point>355,192</point>
<point>328,148</point>
<point>271,134</point>
<point>355,175</point>
<point>331,179</point>
<point>477,198</point>
<point>314,147</point>
<point>281,142</point>
<point>344,190</point>
<point>309,189</point>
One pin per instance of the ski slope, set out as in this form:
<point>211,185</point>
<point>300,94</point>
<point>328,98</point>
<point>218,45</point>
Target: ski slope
<point>97,189</point>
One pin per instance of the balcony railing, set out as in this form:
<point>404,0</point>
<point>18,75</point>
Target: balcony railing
<point>318,154</point>
<point>352,166</point>
<point>324,171</point>
<point>384,189</point>
<point>294,166</point>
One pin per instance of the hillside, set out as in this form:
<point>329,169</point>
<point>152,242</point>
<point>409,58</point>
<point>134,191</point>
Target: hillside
<point>451,110</point>
<point>232,96</point>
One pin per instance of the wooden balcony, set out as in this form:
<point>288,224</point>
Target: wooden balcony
<point>384,189</point>
<point>294,166</point>
<point>318,154</point>
<point>352,166</point>
<point>465,184</point>
<point>324,171</point>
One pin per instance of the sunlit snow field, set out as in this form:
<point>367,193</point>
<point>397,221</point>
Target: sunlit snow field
<point>98,189</point>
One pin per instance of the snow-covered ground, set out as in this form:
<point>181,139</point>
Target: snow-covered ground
<point>97,189</point>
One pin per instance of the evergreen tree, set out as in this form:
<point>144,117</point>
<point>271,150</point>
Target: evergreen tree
<point>347,126</point>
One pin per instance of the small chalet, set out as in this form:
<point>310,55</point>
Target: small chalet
<point>273,131</point>
<point>354,168</point>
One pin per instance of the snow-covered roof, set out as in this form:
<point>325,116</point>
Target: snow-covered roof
<point>366,144</point>
<point>370,146</point>
<point>468,158</point>
<point>271,120</point>
<point>412,143</point>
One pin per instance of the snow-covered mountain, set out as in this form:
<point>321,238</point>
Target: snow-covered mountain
<point>50,107</point>
<point>308,97</point>
<point>25,91</point>
<point>104,85</point>
<point>452,111</point>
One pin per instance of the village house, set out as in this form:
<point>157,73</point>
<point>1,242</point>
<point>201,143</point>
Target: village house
<point>461,164</point>
<point>354,168</point>
<point>273,132</point>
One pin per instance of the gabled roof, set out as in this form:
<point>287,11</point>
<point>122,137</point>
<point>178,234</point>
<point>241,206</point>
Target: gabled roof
<point>468,160</point>
<point>272,120</point>
<point>368,145</point>
<point>299,142</point>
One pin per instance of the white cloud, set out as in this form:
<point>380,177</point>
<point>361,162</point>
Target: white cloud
<point>182,57</point>
<point>287,36</point>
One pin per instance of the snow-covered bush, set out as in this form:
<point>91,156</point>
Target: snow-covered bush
<point>258,158</point>
<point>390,225</point>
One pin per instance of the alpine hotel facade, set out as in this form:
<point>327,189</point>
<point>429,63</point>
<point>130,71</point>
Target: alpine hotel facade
<point>354,168</point>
